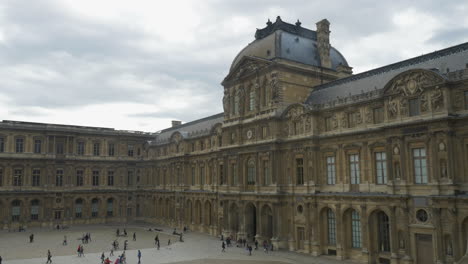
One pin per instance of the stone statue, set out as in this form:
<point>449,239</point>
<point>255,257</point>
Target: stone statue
<point>392,108</point>
<point>226,102</point>
<point>403,106</point>
<point>437,99</point>
<point>424,103</point>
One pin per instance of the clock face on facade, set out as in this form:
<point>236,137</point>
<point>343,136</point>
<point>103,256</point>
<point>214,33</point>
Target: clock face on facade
<point>249,134</point>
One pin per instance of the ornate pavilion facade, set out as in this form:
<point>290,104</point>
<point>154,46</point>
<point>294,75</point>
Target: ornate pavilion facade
<point>307,155</point>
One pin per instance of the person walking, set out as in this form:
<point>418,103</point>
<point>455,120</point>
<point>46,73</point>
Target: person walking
<point>256,244</point>
<point>49,257</point>
<point>1,259</point>
<point>169,242</point>
<point>223,246</point>
<point>64,241</point>
<point>250,250</point>
<point>31,238</point>
<point>111,252</point>
<point>102,257</point>
<point>134,236</point>
<point>158,245</point>
<point>139,256</point>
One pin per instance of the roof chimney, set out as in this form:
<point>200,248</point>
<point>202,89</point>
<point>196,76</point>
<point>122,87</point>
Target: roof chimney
<point>323,42</point>
<point>176,123</point>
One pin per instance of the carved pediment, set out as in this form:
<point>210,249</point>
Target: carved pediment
<point>412,82</point>
<point>245,67</point>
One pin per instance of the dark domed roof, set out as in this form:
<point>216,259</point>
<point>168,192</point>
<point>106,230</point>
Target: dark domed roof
<point>288,41</point>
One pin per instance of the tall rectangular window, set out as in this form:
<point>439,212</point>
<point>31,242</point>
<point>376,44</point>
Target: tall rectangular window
<point>381,167</point>
<point>130,150</point>
<point>252,100</point>
<point>354,169</point>
<point>221,175</point>
<point>79,177</point>
<point>266,172</point>
<point>235,178</point>
<point>80,148</point>
<point>111,149</point>
<point>420,166</point>
<point>59,177</point>
<point>331,170</point>
<point>36,177</point>
<point>2,144</point>
<point>95,178</point>
<point>356,229</point>
<point>130,177</point>
<point>251,177</point>
<point>110,178</point>
<point>353,119</point>
<point>59,148</point>
<point>331,226</point>
<point>17,177</point>
<point>414,107</point>
<point>299,171</point>
<point>378,115</point>
<point>37,146</point>
<point>19,147</point>
<point>193,176</point>
<point>96,149</point>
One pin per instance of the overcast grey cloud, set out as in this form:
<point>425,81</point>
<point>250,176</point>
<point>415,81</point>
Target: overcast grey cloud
<point>138,64</point>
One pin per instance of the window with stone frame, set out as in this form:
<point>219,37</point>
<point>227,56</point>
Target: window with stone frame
<point>383,235</point>
<point>79,177</point>
<point>353,119</point>
<point>79,208</point>
<point>17,177</point>
<point>130,148</point>
<point>252,99</point>
<point>94,207</point>
<point>414,106</point>
<point>331,170</point>
<point>37,146</point>
<point>36,177</point>
<point>130,177</point>
<point>2,144</point>
<point>381,167</point>
<point>110,178</point>
<point>15,211</point>
<point>354,171</point>
<point>96,149</point>
<point>59,177</point>
<point>19,145</point>
<point>34,210</point>
<point>355,229</point>
<point>420,165</point>
<point>111,149</point>
<point>251,172</point>
<point>300,171</point>
<point>202,175</point>
<point>1,177</point>
<point>95,177</point>
<point>80,148</point>
<point>59,147</point>
<point>378,115</point>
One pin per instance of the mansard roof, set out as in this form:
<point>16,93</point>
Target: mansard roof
<point>196,128</point>
<point>371,83</point>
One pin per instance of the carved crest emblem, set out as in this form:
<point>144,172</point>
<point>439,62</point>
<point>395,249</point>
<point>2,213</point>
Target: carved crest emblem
<point>413,82</point>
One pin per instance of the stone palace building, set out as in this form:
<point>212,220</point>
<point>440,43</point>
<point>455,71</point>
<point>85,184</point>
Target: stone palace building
<point>370,166</point>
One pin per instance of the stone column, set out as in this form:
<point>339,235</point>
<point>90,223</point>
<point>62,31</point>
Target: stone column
<point>340,236</point>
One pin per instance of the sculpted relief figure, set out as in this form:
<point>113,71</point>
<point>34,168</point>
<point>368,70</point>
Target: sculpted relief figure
<point>403,106</point>
<point>334,122</point>
<point>226,101</point>
<point>392,108</point>
<point>344,121</point>
<point>424,103</point>
<point>412,83</point>
<point>437,99</point>
<point>369,116</point>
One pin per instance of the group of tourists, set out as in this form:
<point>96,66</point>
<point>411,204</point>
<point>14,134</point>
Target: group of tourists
<point>80,251</point>
<point>243,244</point>
<point>85,238</point>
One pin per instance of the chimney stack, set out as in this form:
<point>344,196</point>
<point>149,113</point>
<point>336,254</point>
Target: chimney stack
<point>323,42</point>
<point>176,123</point>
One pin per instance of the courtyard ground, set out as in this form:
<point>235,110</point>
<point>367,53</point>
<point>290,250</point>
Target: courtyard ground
<point>197,248</point>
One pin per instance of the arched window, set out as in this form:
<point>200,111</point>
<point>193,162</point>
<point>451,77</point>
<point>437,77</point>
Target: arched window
<point>110,207</point>
<point>356,229</point>
<point>94,207</point>
<point>384,232</point>
<point>251,172</point>
<point>78,208</point>
<point>15,210</point>
<point>34,209</point>
<point>331,226</point>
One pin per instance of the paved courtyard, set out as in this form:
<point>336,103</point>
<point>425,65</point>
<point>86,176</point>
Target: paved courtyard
<point>197,248</point>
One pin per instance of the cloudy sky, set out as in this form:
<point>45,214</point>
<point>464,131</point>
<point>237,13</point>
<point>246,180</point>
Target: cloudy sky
<point>138,64</point>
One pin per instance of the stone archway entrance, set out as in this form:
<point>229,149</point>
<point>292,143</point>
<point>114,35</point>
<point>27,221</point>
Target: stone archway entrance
<point>251,221</point>
<point>234,220</point>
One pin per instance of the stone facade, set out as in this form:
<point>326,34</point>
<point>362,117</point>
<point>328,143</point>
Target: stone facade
<point>369,167</point>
